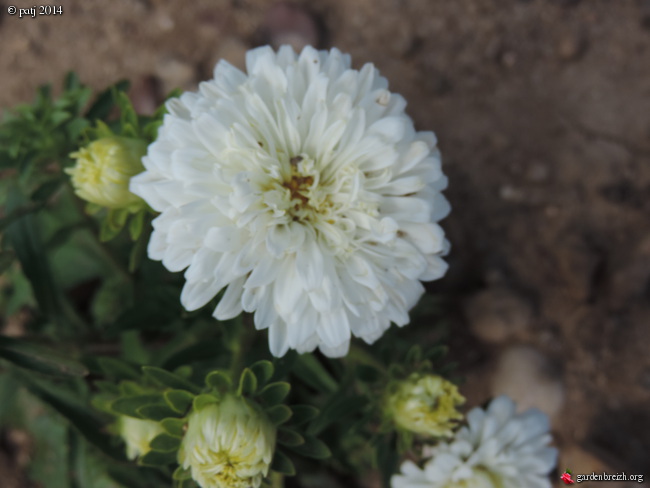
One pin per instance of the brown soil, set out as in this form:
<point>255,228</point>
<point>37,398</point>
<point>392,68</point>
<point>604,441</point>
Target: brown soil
<point>542,108</point>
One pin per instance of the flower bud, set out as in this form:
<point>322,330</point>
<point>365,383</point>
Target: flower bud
<point>104,169</point>
<point>424,404</point>
<point>137,434</point>
<point>228,445</point>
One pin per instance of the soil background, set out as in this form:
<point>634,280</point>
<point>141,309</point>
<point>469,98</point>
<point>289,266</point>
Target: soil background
<point>542,109</point>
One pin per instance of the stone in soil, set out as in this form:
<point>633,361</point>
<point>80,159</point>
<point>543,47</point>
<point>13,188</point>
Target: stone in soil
<point>497,315</point>
<point>529,378</point>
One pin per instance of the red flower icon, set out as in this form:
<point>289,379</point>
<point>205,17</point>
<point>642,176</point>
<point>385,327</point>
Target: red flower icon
<point>566,477</point>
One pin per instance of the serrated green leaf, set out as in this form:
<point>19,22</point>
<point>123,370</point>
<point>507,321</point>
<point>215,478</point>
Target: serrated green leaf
<point>179,400</point>
<point>130,405</point>
<point>165,443</point>
<point>38,358</point>
<point>168,379</point>
<point>174,427</point>
<point>157,458</point>
<point>263,371</point>
<point>313,448</point>
<point>219,380</point>
<point>289,438</point>
<point>156,412</point>
<point>303,414</point>
<point>201,401</point>
<point>247,383</point>
<point>279,414</point>
<point>282,464</point>
<point>275,393</point>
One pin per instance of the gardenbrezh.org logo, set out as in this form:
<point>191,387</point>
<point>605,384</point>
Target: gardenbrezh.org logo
<point>579,478</point>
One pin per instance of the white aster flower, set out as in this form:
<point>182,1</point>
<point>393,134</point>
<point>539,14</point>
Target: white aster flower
<point>497,449</point>
<point>137,434</point>
<point>304,189</point>
<point>228,445</point>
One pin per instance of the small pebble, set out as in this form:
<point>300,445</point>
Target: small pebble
<point>497,315</point>
<point>570,48</point>
<point>511,194</point>
<point>527,376</point>
<point>537,173</point>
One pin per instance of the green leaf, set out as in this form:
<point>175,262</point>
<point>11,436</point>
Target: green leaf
<point>136,223</point>
<point>157,458</point>
<point>219,380</point>
<point>40,359</point>
<point>46,190</point>
<point>168,379</point>
<point>312,372</point>
<point>179,400</point>
<point>139,250</point>
<point>182,474</point>
<point>174,427</point>
<point>247,383</point>
<point>303,414</point>
<point>156,412</point>
<point>6,260</point>
<point>263,371</point>
<point>117,369</point>
<point>204,400</point>
<point>279,414</point>
<point>105,101</point>
<point>76,412</point>
<point>367,373</point>
<point>289,438</point>
<point>165,443</point>
<point>338,408</point>
<point>275,393</point>
<point>313,448</point>
<point>436,353</point>
<point>130,405</point>
<point>414,355</point>
<point>282,464</point>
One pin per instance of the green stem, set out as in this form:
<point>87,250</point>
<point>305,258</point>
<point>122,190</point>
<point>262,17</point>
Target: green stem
<point>106,251</point>
<point>238,344</point>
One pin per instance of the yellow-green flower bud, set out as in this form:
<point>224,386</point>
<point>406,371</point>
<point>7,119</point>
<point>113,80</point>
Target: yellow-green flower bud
<point>228,445</point>
<point>424,404</point>
<point>137,434</point>
<point>104,169</point>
